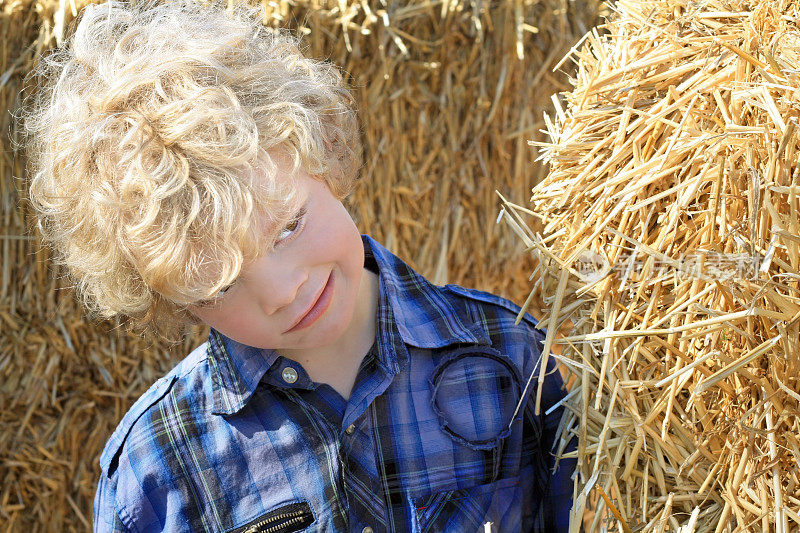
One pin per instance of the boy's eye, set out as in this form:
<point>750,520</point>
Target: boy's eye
<point>223,290</point>
<point>219,295</point>
<point>291,227</point>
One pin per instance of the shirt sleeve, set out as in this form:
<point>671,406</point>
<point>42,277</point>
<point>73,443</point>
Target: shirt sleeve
<point>105,512</point>
<point>557,500</point>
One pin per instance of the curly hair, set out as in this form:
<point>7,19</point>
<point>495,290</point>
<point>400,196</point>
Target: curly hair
<point>149,142</point>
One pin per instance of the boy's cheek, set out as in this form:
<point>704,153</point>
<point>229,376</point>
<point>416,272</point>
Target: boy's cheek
<point>232,320</point>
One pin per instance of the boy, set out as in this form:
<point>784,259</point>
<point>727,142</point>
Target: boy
<point>189,166</point>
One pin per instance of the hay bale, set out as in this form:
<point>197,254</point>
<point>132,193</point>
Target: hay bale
<point>448,93</point>
<point>670,261</point>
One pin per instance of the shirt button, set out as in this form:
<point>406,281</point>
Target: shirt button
<point>366,529</point>
<point>350,430</point>
<point>289,375</point>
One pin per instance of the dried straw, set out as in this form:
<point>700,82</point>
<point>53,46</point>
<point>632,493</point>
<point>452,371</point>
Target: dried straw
<point>448,92</point>
<point>670,263</point>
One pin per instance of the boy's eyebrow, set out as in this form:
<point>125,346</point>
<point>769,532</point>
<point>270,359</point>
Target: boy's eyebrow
<point>295,214</point>
<point>298,212</point>
<point>303,205</point>
<point>301,209</point>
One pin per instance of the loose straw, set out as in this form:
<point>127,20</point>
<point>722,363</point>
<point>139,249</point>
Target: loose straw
<point>669,265</point>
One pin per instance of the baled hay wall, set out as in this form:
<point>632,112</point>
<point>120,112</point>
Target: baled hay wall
<point>448,94</point>
<point>670,260</point>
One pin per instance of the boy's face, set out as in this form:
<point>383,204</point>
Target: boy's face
<point>318,259</point>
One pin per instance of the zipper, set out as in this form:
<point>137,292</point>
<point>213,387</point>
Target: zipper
<point>292,517</point>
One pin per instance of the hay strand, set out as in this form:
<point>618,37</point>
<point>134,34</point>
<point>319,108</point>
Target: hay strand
<point>669,264</point>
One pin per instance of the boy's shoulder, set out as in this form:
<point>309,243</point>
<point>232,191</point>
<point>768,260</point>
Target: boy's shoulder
<point>497,322</point>
<point>417,290</point>
<point>135,425</point>
<point>487,300</point>
<point>486,297</point>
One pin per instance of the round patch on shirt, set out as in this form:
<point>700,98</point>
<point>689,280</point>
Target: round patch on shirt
<point>475,391</point>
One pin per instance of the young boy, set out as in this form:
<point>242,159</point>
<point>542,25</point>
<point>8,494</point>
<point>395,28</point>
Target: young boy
<point>189,165</point>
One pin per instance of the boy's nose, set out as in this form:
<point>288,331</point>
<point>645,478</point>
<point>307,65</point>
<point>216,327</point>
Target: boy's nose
<point>282,292</point>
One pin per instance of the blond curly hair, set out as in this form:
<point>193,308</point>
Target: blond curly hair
<point>149,142</point>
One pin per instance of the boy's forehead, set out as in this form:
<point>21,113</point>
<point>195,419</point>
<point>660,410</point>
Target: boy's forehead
<point>287,192</point>
<point>281,161</point>
<point>279,167</point>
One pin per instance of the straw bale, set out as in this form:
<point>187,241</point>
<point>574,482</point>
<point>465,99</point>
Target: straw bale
<point>669,265</point>
<point>448,93</point>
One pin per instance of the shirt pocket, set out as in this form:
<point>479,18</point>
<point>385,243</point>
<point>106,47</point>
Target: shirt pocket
<point>475,392</point>
<point>285,519</point>
<point>499,504</point>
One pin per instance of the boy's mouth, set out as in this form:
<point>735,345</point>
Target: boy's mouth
<point>316,310</point>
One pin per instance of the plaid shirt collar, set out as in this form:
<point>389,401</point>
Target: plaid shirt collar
<point>237,368</point>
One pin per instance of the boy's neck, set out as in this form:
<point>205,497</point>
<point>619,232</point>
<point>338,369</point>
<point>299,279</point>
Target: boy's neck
<point>338,364</point>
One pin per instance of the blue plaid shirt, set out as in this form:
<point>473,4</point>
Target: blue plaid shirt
<point>224,443</point>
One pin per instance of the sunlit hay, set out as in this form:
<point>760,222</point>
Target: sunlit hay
<point>669,263</point>
<point>448,93</point>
